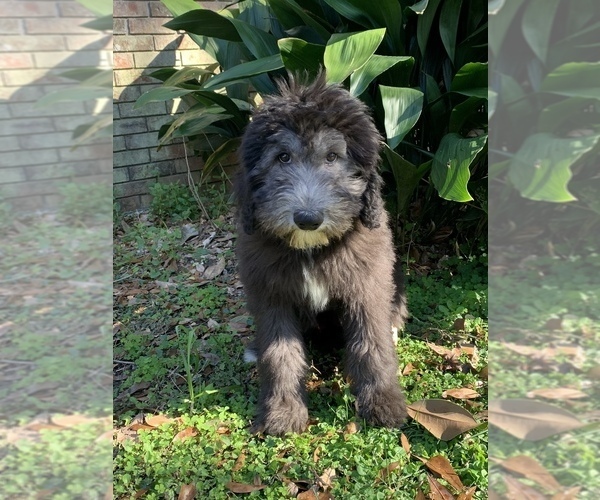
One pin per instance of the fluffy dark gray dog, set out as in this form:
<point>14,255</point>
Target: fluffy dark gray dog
<point>314,237</point>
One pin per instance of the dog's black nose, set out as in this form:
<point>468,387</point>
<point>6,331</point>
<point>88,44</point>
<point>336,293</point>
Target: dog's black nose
<point>308,220</point>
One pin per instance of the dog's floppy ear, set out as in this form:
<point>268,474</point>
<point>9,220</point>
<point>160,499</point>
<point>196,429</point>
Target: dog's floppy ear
<point>370,214</point>
<point>245,204</point>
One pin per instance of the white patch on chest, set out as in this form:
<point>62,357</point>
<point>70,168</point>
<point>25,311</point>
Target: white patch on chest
<point>315,291</point>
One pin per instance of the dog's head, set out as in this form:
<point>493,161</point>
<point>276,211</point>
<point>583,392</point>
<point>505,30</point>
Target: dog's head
<point>309,166</point>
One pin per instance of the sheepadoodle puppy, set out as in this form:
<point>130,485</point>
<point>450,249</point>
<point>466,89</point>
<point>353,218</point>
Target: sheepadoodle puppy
<point>314,239</point>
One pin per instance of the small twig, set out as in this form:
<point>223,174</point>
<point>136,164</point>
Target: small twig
<point>194,189</point>
<point>123,362</point>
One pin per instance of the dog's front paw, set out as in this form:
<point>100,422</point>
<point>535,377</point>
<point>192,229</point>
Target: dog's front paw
<point>281,417</point>
<point>383,407</point>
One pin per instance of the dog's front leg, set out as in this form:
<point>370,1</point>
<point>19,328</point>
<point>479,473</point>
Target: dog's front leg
<point>282,371</point>
<point>372,365</point>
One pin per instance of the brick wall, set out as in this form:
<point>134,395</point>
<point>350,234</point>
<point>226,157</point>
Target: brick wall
<point>142,45</point>
<point>40,39</point>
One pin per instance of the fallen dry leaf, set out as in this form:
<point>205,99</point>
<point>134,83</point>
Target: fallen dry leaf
<point>409,368</point>
<point>385,472</point>
<point>468,495</point>
<point>187,492</point>
<point>437,491</point>
<point>405,443</point>
<point>325,479</point>
<point>461,393</point>
<point>185,434</point>
<point>459,324</point>
<point>516,489</point>
<point>531,469</point>
<point>157,420</point>
<point>213,271</point>
<point>531,420</point>
<point>351,428</point>
<point>483,373</point>
<point>557,393</point>
<point>316,454</point>
<point>444,419</point>
<point>442,466</point>
<point>239,462</point>
<point>243,488</point>
<point>568,494</point>
<point>420,495</point>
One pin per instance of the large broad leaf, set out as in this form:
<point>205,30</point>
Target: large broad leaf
<point>186,74</point>
<point>363,76</point>
<point>571,110</point>
<point>537,24</point>
<point>158,94</point>
<point>386,13</point>
<point>406,176</point>
<point>205,22</point>
<point>450,171</point>
<point>503,18</point>
<point>576,79</point>
<point>464,111</point>
<point>541,169</point>
<point>223,152</point>
<point>245,70</point>
<point>299,55</point>
<point>179,7</point>
<point>193,121</point>
<point>102,127</point>
<point>531,420</point>
<point>471,80</point>
<point>425,23</point>
<point>444,419</point>
<point>291,10</point>
<point>78,93</point>
<point>449,25</point>
<point>402,108</point>
<point>259,43</point>
<point>346,52</point>
<point>492,100</point>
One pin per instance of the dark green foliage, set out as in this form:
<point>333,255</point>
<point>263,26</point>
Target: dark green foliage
<point>420,67</point>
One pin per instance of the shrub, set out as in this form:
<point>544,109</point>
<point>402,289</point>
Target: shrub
<point>420,67</point>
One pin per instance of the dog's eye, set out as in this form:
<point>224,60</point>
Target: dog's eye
<point>284,158</point>
<point>331,157</point>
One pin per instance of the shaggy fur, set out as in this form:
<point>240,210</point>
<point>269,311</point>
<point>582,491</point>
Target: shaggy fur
<point>314,239</point>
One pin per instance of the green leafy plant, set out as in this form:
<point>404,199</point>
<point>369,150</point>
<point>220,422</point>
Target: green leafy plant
<point>546,104</point>
<point>420,67</point>
<point>93,83</point>
<point>173,200</point>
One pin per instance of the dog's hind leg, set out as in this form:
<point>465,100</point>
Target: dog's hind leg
<point>282,369</point>
<point>372,365</point>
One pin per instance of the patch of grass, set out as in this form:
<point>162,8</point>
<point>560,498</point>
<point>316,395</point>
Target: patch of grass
<point>54,330</point>
<point>181,344</point>
<point>546,302</point>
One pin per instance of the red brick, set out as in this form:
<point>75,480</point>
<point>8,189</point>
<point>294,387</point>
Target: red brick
<point>164,59</point>
<point>157,9</point>
<point>129,9</point>
<point>74,9</point>
<point>122,60</point>
<point>171,42</point>
<point>149,26</point>
<point>129,204</point>
<point>11,27</point>
<point>28,9</point>
<point>53,26</point>
<point>27,43</point>
<point>15,61</point>
<point>120,27</point>
<point>129,43</point>
<point>89,42</point>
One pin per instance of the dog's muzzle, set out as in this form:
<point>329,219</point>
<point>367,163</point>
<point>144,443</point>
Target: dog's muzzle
<point>308,220</point>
